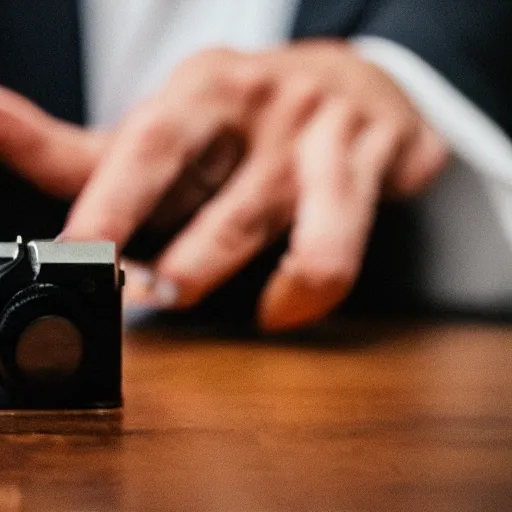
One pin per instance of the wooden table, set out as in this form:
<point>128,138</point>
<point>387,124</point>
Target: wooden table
<point>349,418</point>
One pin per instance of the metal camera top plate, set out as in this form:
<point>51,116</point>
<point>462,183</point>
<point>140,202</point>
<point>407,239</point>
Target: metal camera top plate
<point>90,253</point>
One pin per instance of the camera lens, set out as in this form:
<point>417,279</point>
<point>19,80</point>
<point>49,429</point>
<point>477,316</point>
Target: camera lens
<point>43,345</point>
<point>49,350</point>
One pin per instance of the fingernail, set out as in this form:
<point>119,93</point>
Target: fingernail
<point>142,277</point>
<point>290,301</point>
<point>166,294</point>
<point>283,305</point>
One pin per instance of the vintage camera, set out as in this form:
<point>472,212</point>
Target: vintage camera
<point>60,325</point>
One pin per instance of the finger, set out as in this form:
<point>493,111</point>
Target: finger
<point>151,150</point>
<point>197,183</point>
<point>54,155</point>
<point>139,280</point>
<point>252,210</point>
<point>422,159</point>
<point>338,193</point>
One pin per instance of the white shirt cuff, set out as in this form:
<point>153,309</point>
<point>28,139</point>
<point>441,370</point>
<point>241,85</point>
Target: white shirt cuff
<point>473,137</point>
<point>466,216</point>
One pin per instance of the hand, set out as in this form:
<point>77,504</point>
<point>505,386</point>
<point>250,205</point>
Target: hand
<point>59,157</point>
<point>326,134</point>
<point>56,156</point>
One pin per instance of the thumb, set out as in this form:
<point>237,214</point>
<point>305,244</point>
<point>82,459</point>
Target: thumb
<point>55,156</point>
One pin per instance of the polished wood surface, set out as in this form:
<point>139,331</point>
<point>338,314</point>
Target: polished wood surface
<point>349,418</point>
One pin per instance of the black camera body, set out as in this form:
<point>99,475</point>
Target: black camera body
<point>60,325</point>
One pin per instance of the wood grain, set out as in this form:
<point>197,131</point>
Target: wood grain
<point>356,418</point>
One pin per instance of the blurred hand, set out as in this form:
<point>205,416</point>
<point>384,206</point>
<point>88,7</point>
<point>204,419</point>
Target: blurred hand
<point>56,156</point>
<point>325,135</point>
<point>59,157</point>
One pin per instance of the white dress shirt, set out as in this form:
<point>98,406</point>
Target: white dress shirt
<point>466,216</point>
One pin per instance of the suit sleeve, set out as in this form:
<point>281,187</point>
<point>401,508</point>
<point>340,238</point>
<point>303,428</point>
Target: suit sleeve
<point>467,41</point>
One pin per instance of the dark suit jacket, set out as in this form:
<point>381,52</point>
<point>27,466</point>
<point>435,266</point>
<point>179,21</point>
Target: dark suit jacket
<point>468,41</point>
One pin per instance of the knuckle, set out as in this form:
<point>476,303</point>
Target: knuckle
<point>396,132</point>
<point>338,119</point>
<point>206,71</point>
<point>300,98</point>
<point>252,224</point>
<point>223,74</point>
<point>436,153</point>
<point>208,59</point>
<point>154,136</point>
<point>345,111</point>
<point>423,163</point>
<point>307,92</point>
<point>241,225</point>
<point>399,124</point>
<point>345,117</point>
<point>249,80</point>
